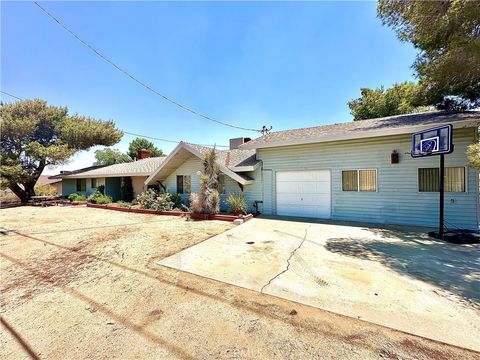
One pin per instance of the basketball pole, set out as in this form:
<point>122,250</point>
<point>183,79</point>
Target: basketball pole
<point>442,196</point>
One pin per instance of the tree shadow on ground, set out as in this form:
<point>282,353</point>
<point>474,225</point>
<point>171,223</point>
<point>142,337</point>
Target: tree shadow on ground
<point>452,267</point>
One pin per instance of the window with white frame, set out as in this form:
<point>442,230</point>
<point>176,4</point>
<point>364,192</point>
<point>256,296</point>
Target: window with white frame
<point>364,180</point>
<point>184,184</point>
<point>428,179</point>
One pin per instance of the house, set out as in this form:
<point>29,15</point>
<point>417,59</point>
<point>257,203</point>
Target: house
<point>86,181</point>
<point>345,172</point>
<point>358,171</point>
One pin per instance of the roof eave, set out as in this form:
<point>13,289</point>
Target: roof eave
<point>246,168</point>
<point>360,135</point>
<point>89,176</point>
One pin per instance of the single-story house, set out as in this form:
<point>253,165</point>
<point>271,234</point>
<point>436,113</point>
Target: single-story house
<point>358,170</point>
<point>86,181</point>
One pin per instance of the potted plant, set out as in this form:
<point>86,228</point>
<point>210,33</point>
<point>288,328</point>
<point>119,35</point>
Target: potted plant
<point>237,203</point>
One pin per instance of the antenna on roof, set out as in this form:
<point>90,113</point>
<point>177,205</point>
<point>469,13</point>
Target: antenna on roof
<point>265,130</point>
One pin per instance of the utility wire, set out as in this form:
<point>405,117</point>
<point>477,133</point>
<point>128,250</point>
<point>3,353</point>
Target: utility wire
<point>132,77</point>
<point>135,134</point>
<point>13,96</point>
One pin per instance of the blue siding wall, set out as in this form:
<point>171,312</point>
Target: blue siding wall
<point>397,200</point>
<point>69,186</point>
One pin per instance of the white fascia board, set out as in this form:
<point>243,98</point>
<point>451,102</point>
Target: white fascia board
<point>166,161</point>
<point>87,176</point>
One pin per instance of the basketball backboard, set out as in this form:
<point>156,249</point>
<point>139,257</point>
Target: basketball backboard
<point>433,141</point>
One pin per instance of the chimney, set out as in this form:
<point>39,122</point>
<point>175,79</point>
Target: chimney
<point>143,154</point>
<point>235,143</point>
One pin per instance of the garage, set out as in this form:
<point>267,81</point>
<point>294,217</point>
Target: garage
<point>304,193</point>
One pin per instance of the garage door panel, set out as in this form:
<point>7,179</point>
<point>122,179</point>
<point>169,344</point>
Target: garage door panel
<point>304,211</point>
<point>303,199</point>
<point>303,187</point>
<point>304,193</point>
<point>307,175</point>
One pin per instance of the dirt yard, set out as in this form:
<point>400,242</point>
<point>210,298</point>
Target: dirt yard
<point>82,283</point>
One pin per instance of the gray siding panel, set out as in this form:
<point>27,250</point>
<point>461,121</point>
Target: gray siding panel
<point>397,199</point>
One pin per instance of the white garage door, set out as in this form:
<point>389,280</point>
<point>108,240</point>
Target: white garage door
<point>304,193</point>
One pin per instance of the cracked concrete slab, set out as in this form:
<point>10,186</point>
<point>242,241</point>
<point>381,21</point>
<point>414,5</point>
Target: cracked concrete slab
<point>396,277</point>
<point>292,253</point>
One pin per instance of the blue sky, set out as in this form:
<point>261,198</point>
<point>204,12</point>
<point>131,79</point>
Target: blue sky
<point>287,65</point>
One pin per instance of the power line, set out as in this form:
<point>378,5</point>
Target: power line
<point>132,77</point>
<point>170,141</point>
<point>13,96</point>
<point>135,134</point>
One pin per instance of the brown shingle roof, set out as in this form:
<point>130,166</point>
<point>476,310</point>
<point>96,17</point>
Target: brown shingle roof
<point>363,128</point>
<point>142,167</point>
<point>235,159</point>
<point>45,179</point>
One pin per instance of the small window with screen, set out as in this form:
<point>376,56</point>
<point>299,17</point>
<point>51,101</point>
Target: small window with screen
<point>359,180</point>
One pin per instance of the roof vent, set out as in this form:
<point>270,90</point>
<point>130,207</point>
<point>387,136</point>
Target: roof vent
<point>235,143</point>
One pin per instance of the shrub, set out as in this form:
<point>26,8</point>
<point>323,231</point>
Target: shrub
<point>104,199</point>
<point>195,203</point>
<point>101,189</point>
<point>98,198</point>
<point>150,199</point>
<point>123,204</point>
<point>146,198</point>
<point>126,190</point>
<point>237,203</point>
<point>162,202</point>
<point>177,200</point>
<point>45,190</point>
<point>76,197</point>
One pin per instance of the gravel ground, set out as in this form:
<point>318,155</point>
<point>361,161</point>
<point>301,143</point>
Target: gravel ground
<point>82,283</point>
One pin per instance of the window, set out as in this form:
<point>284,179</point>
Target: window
<point>94,183</point>
<point>81,185</point>
<point>184,184</point>
<point>350,180</point>
<point>428,179</point>
<point>359,180</point>
<point>367,180</point>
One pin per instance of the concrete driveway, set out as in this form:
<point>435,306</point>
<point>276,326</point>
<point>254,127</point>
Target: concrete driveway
<point>396,277</point>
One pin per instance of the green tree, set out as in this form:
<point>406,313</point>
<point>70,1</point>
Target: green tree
<point>473,154</point>
<point>447,33</point>
<point>143,144</point>
<point>35,135</point>
<point>109,156</point>
<point>373,103</point>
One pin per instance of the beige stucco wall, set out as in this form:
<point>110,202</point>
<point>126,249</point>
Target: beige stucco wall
<point>138,184</point>
<point>58,187</point>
